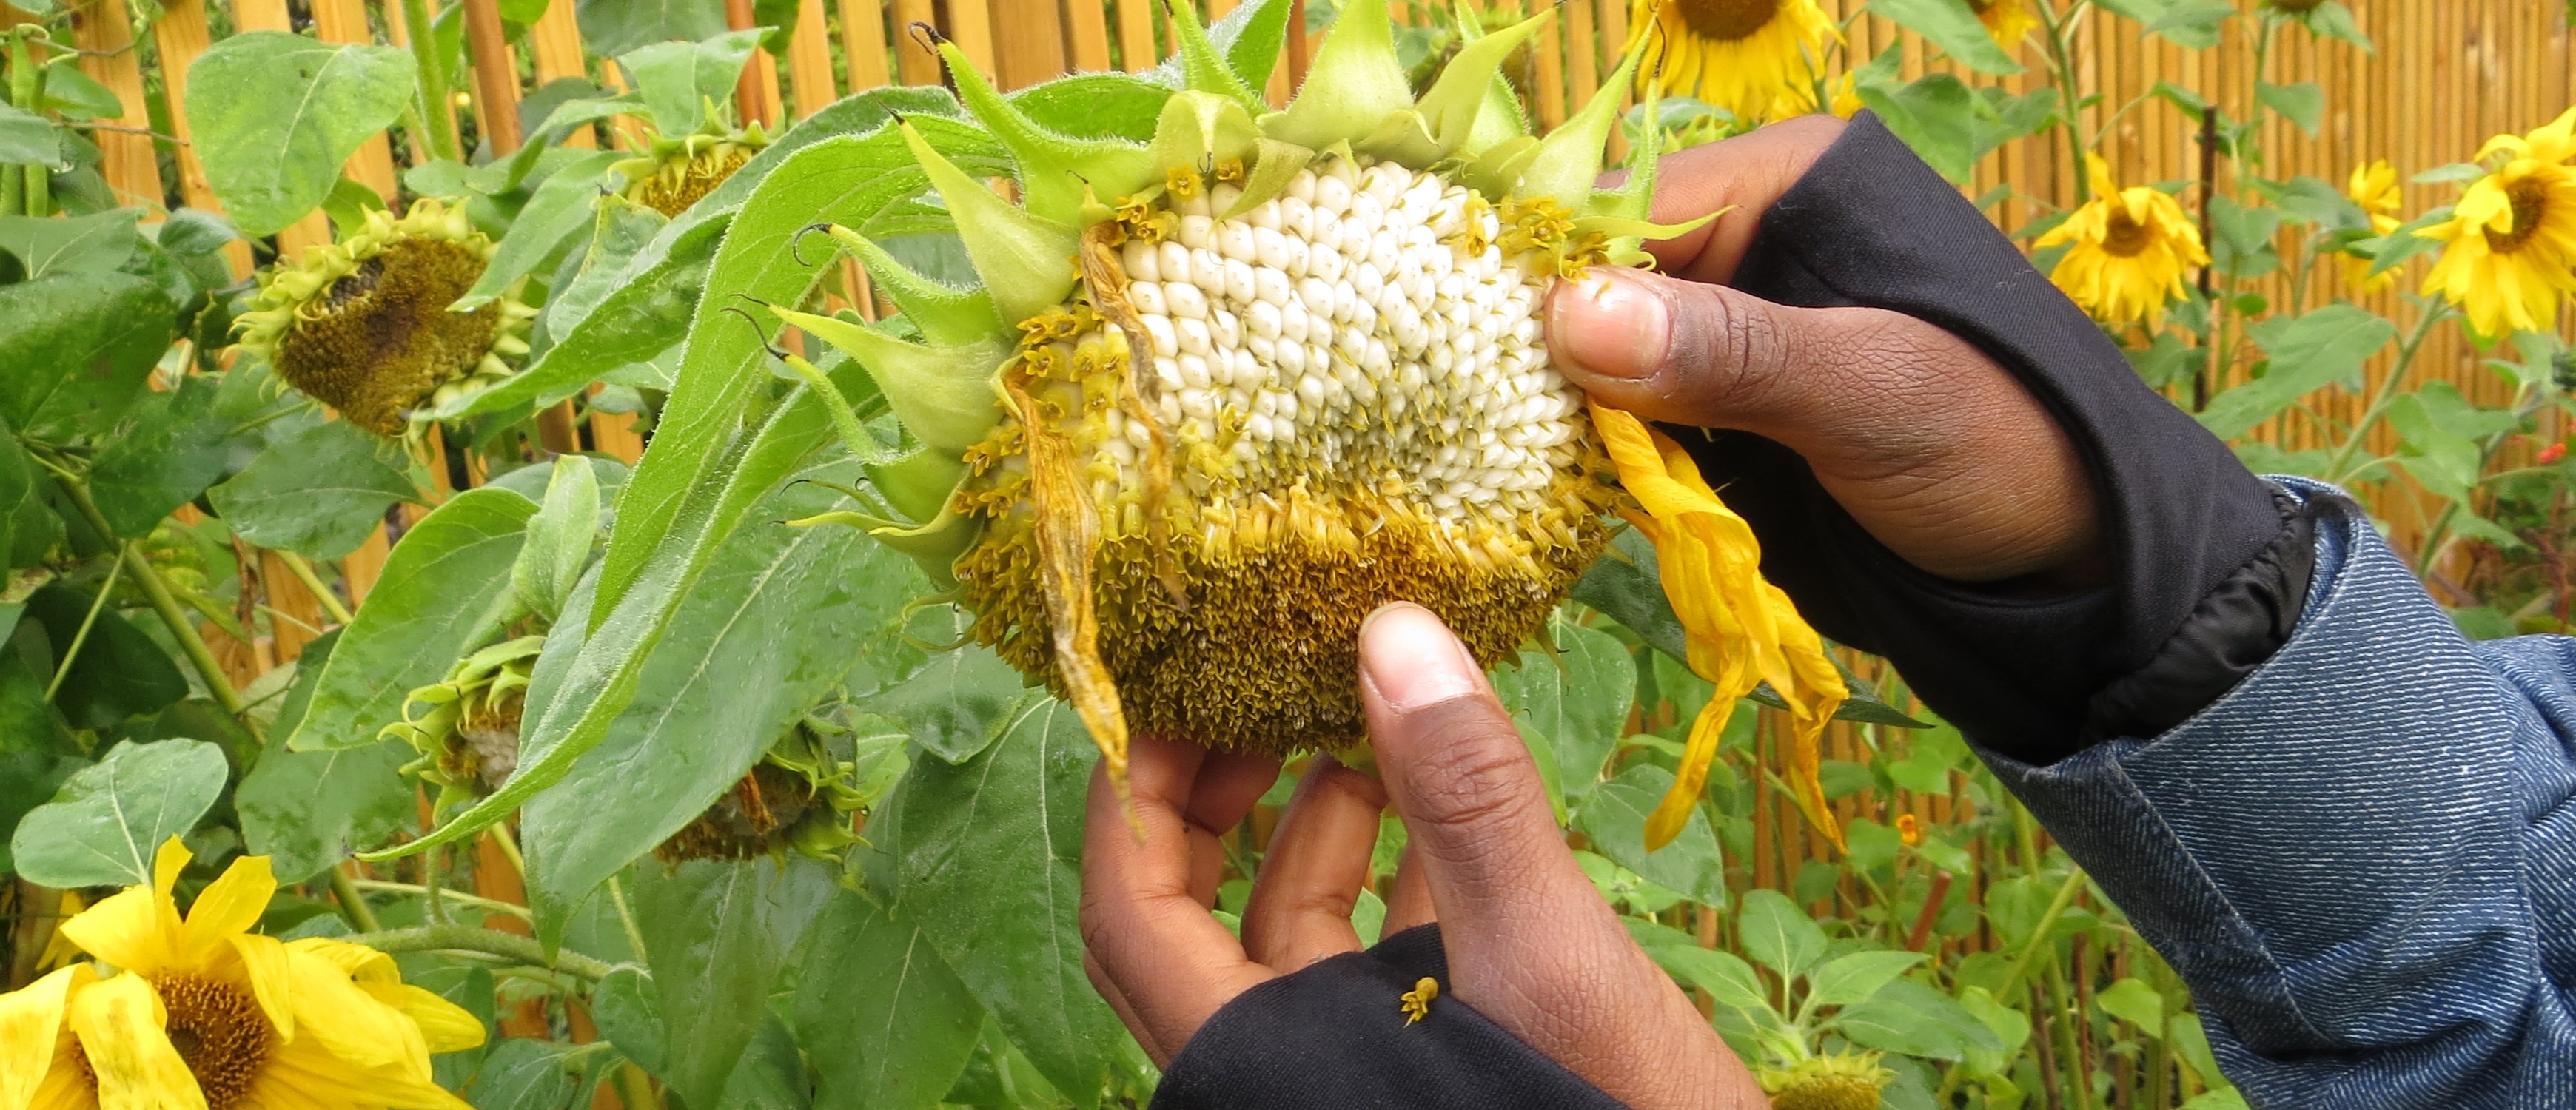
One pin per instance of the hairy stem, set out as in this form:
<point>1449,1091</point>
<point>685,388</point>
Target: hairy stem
<point>166,605</point>
<point>303,572</point>
<point>441,139</point>
<point>353,905</point>
<point>72,654</point>
<point>487,942</point>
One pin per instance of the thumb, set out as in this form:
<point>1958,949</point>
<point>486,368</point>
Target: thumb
<point>1458,773</point>
<point>1686,352</point>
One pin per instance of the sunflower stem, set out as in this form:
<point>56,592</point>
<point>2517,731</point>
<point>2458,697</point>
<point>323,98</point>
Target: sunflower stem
<point>457,896</point>
<point>489,942</point>
<point>625,915</point>
<point>442,139</point>
<point>303,572</point>
<point>2384,397</point>
<point>164,604</point>
<point>72,654</point>
<point>353,904</point>
<point>2057,908</point>
<point>2059,28</point>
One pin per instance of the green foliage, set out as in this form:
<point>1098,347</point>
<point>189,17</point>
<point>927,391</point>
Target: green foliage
<point>276,115</point>
<point>109,818</point>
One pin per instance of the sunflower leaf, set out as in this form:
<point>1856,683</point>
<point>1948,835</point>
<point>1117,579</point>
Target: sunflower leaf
<point>1952,26</point>
<point>106,822</point>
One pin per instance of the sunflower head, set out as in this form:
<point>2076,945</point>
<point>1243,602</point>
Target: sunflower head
<point>2511,253</point>
<point>799,798</point>
<point>2374,189</point>
<point>1755,58</point>
<point>201,1011</point>
<point>2126,250</point>
<point>2009,21</point>
<point>466,726</point>
<point>675,171</point>
<point>1836,1082</point>
<point>363,324</point>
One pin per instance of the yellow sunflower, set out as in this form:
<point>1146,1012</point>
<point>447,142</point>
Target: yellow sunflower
<point>2127,250</point>
<point>1755,58</point>
<point>2009,21</point>
<point>2512,252</point>
<point>2373,187</point>
<point>199,1012</point>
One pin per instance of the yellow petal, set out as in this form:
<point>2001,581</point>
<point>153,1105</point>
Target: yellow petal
<point>124,929</point>
<point>1739,630</point>
<point>362,963</point>
<point>1068,538</point>
<point>31,1018</point>
<point>444,1025</point>
<point>119,1025</point>
<point>301,1077</point>
<point>264,961</point>
<point>337,1017</point>
<point>230,906</point>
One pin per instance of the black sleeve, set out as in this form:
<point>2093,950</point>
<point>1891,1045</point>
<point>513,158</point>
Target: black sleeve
<point>2212,568</point>
<point>1334,1037</point>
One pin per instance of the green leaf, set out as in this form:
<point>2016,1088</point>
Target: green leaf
<point>627,1007</point>
<point>442,593</point>
<point>1777,934</point>
<point>2191,1043</point>
<point>989,857</point>
<point>2190,24</point>
<point>78,348</point>
<point>1252,37</point>
<point>94,244</point>
<point>2313,351</point>
<point>174,447</point>
<point>1935,115</point>
<point>1726,977</point>
<point>1624,585</point>
<point>307,811</point>
<point>77,95</point>
<point>30,139</point>
<point>1615,819</point>
<point>275,115</point>
<point>106,822</point>
<point>717,932</point>
<point>1578,700</point>
<point>1952,26</point>
<point>36,753</point>
<point>1846,980</point>
<point>613,27</point>
<point>886,1023</point>
<point>2133,1001</point>
<point>958,703</point>
<point>765,633</point>
<point>560,209</point>
<point>2335,21</point>
<point>318,492</point>
<point>1096,105</point>
<point>2303,103</point>
<point>1908,1017</point>
<point>522,1074</point>
<point>559,538</point>
<point>121,670</point>
<point>676,78</point>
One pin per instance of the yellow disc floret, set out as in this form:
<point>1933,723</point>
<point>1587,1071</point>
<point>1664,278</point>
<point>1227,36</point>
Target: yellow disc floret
<point>678,171</point>
<point>363,324</point>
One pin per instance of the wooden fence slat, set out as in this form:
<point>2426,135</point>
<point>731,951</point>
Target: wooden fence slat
<point>809,59</point>
<point>1136,50</point>
<point>914,62</point>
<point>863,43</point>
<point>970,22</point>
<point>373,164</point>
<point>181,35</point>
<point>1086,29</point>
<point>105,31</point>
<point>1028,41</point>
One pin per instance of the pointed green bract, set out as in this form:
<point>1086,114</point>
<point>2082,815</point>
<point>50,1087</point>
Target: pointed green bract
<point>1462,95</point>
<point>1569,158</point>
<point>935,545</point>
<point>1493,172</point>
<point>1052,166</point>
<point>946,315</point>
<point>1198,131</point>
<point>1355,83</point>
<point>1026,260</point>
<point>1276,164</point>
<point>1201,65</point>
<point>918,485</point>
<point>943,395</point>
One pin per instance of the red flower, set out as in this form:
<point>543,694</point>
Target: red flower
<point>2552,453</point>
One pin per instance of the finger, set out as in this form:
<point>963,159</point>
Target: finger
<point>1930,444</point>
<point>1319,858</point>
<point>1408,898</point>
<point>1117,999</point>
<point>1227,787</point>
<point>1747,172</point>
<point>1172,962</point>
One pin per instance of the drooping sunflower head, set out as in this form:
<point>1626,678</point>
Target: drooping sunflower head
<point>2511,257</point>
<point>798,798</point>
<point>1222,394</point>
<point>466,726</point>
<point>1755,58</point>
<point>2126,250</point>
<point>676,170</point>
<point>363,324</point>
<point>2009,21</point>
<point>199,1010</point>
<point>1835,1082</point>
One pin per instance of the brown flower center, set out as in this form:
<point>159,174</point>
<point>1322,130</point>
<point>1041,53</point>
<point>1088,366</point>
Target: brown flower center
<point>2530,202</point>
<point>382,338</point>
<point>2126,238</point>
<point>1727,20</point>
<point>750,821</point>
<point>219,1033</point>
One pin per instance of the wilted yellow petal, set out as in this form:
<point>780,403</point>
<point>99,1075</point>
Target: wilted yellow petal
<point>264,963</point>
<point>1068,537</point>
<point>444,1025</point>
<point>124,929</point>
<point>336,1016</point>
<point>1740,630</point>
<point>228,907</point>
<point>119,1025</point>
<point>31,1019</point>
<point>363,964</point>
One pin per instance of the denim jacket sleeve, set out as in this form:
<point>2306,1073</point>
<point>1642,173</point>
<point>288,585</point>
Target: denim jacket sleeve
<point>2362,858</point>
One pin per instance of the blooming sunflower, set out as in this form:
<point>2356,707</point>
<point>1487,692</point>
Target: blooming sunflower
<point>2512,252</point>
<point>201,1012</point>
<point>2127,250</point>
<point>2374,188</point>
<point>2009,21</point>
<point>1754,58</point>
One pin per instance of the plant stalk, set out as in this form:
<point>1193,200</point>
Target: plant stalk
<point>2385,396</point>
<point>2057,908</point>
<point>353,905</point>
<point>72,654</point>
<point>423,32</point>
<point>488,942</point>
<point>166,605</point>
<point>303,572</point>
<point>457,896</point>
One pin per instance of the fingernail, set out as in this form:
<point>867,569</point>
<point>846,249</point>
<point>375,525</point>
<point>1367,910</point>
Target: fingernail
<point>1412,659</point>
<point>1609,325</point>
